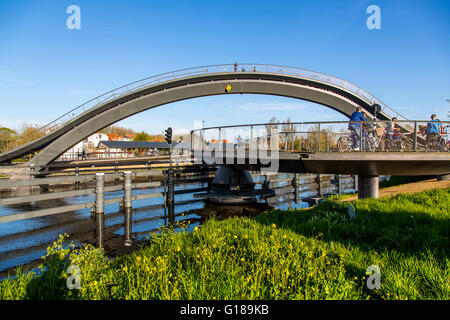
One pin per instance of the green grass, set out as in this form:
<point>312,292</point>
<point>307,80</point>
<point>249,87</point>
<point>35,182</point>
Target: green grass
<point>317,253</point>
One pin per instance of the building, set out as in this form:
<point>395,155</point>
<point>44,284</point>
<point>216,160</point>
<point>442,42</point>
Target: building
<point>133,148</point>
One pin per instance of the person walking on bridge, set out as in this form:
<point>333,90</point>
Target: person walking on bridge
<point>355,126</point>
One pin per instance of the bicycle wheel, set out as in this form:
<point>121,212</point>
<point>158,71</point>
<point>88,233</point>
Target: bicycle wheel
<point>380,146</point>
<point>345,144</point>
<point>388,145</point>
<point>368,144</point>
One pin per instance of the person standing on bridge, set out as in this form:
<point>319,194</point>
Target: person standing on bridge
<point>392,130</point>
<point>355,126</point>
<point>434,127</point>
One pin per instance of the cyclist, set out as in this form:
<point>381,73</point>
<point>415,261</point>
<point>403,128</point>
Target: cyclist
<point>391,130</point>
<point>434,130</point>
<point>355,126</point>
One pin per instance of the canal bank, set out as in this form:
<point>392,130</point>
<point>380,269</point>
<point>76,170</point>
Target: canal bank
<point>320,253</point>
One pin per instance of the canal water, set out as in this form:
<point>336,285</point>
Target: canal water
<point>26,241</point>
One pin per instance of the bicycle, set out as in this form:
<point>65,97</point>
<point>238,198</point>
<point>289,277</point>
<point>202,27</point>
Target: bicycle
<point>370,141</point>
<point>435,142</point>
<point>397,142</point>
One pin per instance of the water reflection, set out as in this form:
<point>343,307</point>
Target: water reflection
<point>119,231</point>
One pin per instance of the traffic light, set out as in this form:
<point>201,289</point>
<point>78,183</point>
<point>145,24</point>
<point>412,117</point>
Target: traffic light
<point>169,135</point>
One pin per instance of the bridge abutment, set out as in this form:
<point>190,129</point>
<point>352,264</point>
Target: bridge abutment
<point>368,186</point>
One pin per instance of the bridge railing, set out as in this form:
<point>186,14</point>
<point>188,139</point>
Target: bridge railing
<point>329,136</point>
<point>211,69</point>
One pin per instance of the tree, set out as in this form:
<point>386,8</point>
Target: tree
<point>8,138</point>
<point>29,133</point>
<point>121,131</point>
<point>142,136</point>
<point>272,125</point>
<point>288,128</point>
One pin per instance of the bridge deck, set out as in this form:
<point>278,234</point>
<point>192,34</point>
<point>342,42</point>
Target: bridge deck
<point>374,163</point>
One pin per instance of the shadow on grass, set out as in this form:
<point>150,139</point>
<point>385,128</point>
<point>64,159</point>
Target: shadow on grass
<point>51,284</point>
<point>405,223</point>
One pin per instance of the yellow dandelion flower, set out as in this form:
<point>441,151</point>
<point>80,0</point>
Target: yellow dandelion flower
<point>242,259</point>
<point>274,225</point>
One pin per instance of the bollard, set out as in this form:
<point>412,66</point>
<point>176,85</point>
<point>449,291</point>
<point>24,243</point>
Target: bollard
<point>77,173</point>
<point>99,193</point>
<point>170,196</point>
<point>128,186</point>
<point>32,170</point>
<point>116,171</point>
<point>128,226</point>
<point>149,168</point>
<point>100,229</point>
<point>100,207</point>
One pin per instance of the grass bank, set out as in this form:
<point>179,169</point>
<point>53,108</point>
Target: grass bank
<point>317,253</point>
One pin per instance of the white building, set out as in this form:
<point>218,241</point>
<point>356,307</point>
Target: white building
<point>92,141</point>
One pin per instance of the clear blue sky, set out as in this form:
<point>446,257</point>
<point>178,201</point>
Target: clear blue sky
<point>47,69</point>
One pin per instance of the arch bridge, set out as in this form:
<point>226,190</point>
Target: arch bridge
<point>113,106</point>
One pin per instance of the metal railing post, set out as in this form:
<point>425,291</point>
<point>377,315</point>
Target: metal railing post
<point>318,138</point>
<point>360,137</point>
<point>328,142</point>
<point>415,135</point>
<point>220,140</point>
<point>292,141</point>
<point>251,145</point>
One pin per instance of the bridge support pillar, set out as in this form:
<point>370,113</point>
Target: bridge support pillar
<point>445,177</point>
<point>368,186</point>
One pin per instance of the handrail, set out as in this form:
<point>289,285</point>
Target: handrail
<point>210,69</point>
<point>418,140</point>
